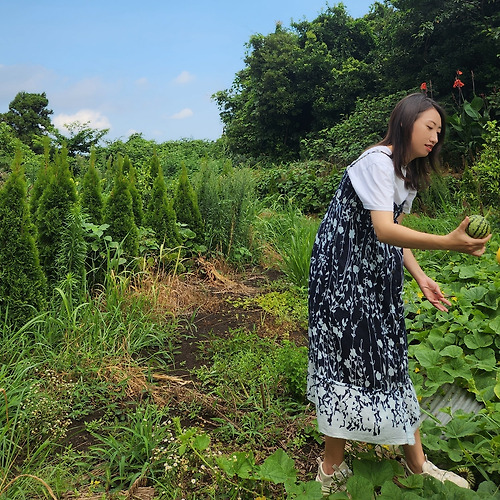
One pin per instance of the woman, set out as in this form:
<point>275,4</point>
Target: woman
<point>358,366</point>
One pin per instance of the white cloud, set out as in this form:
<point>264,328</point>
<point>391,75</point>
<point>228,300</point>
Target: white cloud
<point>142,82</point>
<point>184,77</point>
<point>183,113</point>
<point>94,118</point>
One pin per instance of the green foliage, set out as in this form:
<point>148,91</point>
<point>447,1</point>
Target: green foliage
<point>308,185</point>
<point>22,282</point>
<point>460,347</point>
<point>29,117</point>
<point>227,204</point>
<point>71,257</point>
<point>129,449</point>
<point>119,214</point>
<point>57,200</point>
<point>186,207</point>
<point>486,171</point>
<point>130,170</point>
<point>291,235</point>
<point>347,139</point>
<point>467,129</point>
<point>161,216</point>
<point>82,138</point>
<point>91,198</point>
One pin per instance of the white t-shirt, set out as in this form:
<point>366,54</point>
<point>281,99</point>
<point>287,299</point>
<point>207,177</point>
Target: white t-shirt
<point>375,181</point>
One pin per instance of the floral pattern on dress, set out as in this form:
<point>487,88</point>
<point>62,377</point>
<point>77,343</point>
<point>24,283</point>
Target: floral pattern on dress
<point>358,353</point>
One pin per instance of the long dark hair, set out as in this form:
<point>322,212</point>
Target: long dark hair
<point>399,134</point>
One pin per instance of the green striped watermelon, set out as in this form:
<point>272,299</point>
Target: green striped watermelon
<point>478,227</point>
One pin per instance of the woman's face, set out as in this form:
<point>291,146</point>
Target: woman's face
<point>425,133</point>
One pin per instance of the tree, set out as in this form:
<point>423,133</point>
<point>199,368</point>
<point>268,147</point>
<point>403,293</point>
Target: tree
<point>186,206</point>
<point>129,170</point>
<point>57,200</point>
<point>91,198</point>
<point>29,117</point>
<point>82,138</point>
<point>160,215</point>
<point>22,282</point>
<point>119,214</point>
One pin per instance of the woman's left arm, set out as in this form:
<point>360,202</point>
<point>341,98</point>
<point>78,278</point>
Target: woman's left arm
<point>429,287</point>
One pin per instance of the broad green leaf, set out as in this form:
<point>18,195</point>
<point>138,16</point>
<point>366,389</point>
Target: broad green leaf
<point>467,272</point>
<point>427,357</point>
<point>459,427</point>
<point>438,376</point>
<point>310,490</point>
<point>376,472</point>
<point>496,389</point>
<point>476,340</point>
<point>238,464</point>
<point>484,359</point>
<point>414,482</point>
<point>360,488</point>
<point>453,351</point>
<point>390,491</point>
<point>278,468</point>
<point>494,324</point>
<point>475,294</point>
<point>201,442</point>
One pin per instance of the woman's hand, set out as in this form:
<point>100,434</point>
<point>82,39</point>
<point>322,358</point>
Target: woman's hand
<point>433,293</point>
<point>462,242</point>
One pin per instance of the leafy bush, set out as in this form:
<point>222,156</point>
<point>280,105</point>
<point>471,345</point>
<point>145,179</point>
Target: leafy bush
<point>226,198</point>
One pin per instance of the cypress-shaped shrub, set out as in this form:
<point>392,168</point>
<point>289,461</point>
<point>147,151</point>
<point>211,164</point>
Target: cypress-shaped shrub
<point>136,196</point>
<point>160,215</point>
<point>119,214</point>
<point>186,206</point>
<point>91,198</point>
<point>22,281</point>
<point>57,200</point>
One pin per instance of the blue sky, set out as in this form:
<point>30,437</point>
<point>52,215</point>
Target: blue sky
<point>137,66</point>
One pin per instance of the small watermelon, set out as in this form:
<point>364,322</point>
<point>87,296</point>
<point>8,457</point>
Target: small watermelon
<point>478,227</point>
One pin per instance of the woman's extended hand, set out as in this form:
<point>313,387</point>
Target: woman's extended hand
<point>462,242</point>
<point>433,293</point>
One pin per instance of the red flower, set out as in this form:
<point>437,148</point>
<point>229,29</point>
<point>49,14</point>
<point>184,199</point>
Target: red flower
<point>458,83</point>
<point>459,72</point>
<point>423,86</point>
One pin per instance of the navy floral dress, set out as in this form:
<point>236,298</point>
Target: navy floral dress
<point>358,365</point>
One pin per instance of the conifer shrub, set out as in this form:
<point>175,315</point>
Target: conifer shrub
<point>119,214</point>
<point>136,195</point>
<point>91,199</point>
<point>22,282</point>
<point>56,201</point>
<point>186,207</point>
<point>161,217</point>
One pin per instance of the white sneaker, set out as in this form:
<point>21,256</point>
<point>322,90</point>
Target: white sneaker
<point>430,470</point>
<point>333,482</point>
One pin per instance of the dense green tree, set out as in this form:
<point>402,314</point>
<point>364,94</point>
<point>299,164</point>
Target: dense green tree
<point>57,200</point>
<point>299,81</point>
<point>186,206</point>
<point>119,214</point>
<point>22,282</point>
<point>131,173</point>
<point>82,138</point>
<point>160,215</point>
<point>29,117</point>
<point>91,198</point>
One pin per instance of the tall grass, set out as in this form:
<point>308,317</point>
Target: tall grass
<point>291,235</point>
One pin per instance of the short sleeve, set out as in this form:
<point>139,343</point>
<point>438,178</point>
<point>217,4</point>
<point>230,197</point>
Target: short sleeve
<point>372,177</point>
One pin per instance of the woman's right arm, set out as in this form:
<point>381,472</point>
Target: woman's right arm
<point>395,234</point>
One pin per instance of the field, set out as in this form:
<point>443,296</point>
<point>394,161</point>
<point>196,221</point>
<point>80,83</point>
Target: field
<point>191,385</point>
